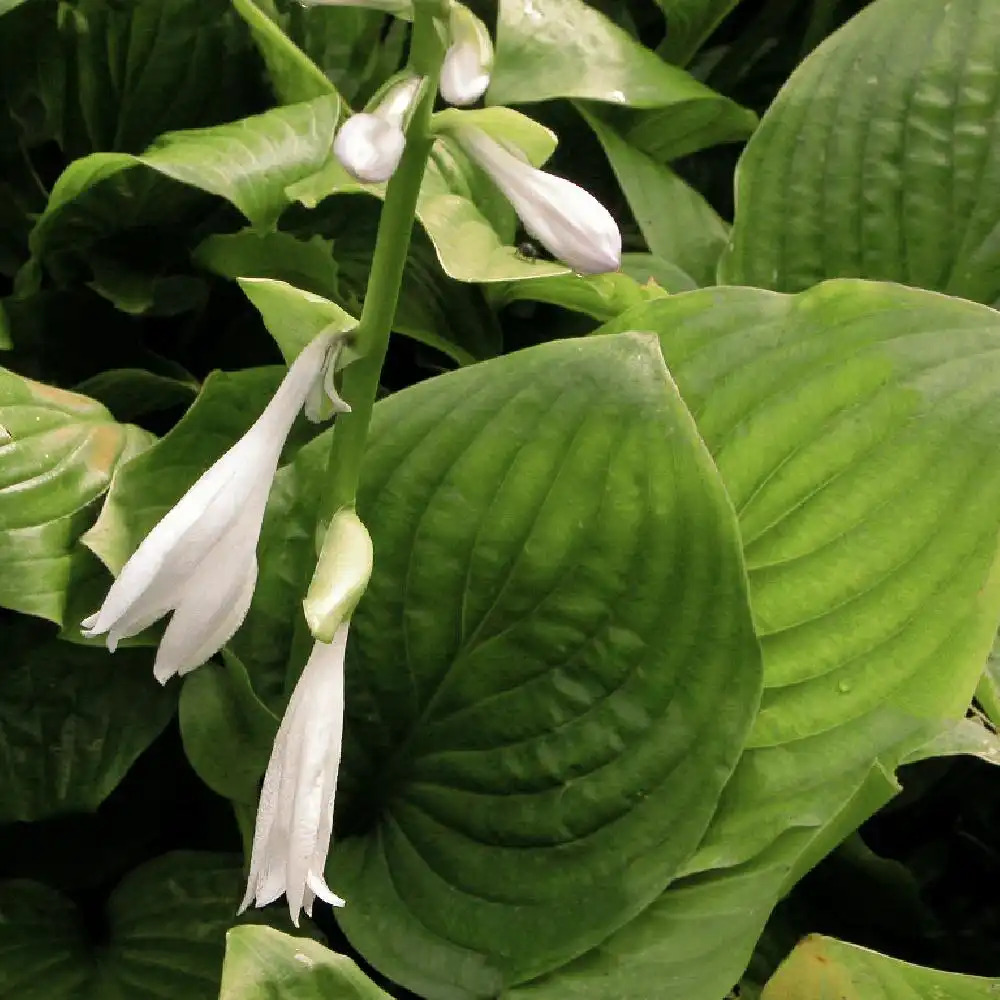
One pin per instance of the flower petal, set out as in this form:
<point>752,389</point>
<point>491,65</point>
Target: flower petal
<point>561,215</point>
<point>153,580</point>
<point>216,600</point>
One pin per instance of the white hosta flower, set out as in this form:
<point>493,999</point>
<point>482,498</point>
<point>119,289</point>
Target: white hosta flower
<point>369,145</point>
<point>200,560</point>
<point>567,220</point>
<point>295,817</point>
<point>465,72</point>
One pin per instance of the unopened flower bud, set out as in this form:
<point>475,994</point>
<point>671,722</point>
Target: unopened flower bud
<point>369,145</point>
<point>569,221</point>
<point>342,573</point>
<point>465,73</point>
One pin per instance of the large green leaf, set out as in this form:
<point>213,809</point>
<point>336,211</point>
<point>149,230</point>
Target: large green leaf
<point>822,966</point>
<point>249,163</point>
<point>853,426</point>
<point>59,451</point>
<point>552,672</point>
<point>880,158</point>
<point>138,69</point>
<point>167,921</point>
<point>72,722</point>
<point>677,223</point>
<point>566,48</point>
<point>262,964</point>
<point>689,23</point>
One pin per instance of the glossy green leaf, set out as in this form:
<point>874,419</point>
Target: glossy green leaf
<point>249,163</point>
<point>59,453</point>
<point>167,921</point>
<point>988,691</point>
<point>538,674</point>
<point>602,296</point>
<point>852,425</point>
<point>695,940</point>
<point>566,48</point>
<point>689,23</point>
<point>880,167</point>
<point>227,730</point>
<point>307,264</point>
<point>647,268</point>
<point>294,76</point>
<point>468,244</point>
<point>72,722</point>
<point>262,964</point>
<point>822,966</point>
<point>677,223</point>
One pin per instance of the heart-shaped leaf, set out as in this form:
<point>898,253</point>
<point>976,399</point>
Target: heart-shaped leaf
<point>167,926</point>
<point>551,673</point>
<point>72,722</point>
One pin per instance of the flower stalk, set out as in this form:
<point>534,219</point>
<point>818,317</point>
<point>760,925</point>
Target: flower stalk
<point>371,336</point>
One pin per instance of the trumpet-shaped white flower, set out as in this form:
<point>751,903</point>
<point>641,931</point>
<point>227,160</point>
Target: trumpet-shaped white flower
<point>369,145</point>
<point>200,560</point>
<point>465,72</point>
<point>563,217</point>
<point>295,817</point>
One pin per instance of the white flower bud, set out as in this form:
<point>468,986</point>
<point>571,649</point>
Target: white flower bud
<point>570,222</point>
<point>369,145</point>
<point>465,73</point>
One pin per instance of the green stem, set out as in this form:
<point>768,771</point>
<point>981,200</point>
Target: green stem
<point>361,378</point>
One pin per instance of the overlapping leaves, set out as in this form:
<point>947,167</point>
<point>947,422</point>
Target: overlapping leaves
<point>552,670</point>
